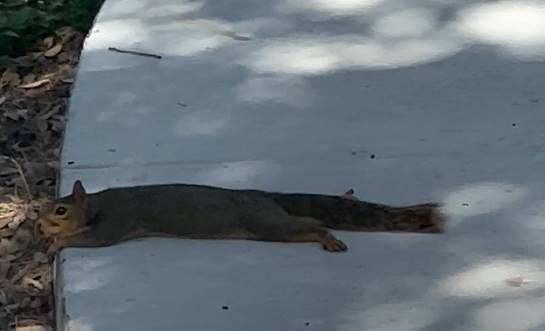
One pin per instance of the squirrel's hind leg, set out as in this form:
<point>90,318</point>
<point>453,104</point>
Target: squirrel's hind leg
<point>282,227</point>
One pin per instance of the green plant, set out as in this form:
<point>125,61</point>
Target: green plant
<point>23,22</point>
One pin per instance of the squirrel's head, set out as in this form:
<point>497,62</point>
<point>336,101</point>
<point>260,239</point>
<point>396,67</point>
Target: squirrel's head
<point>66,215</point>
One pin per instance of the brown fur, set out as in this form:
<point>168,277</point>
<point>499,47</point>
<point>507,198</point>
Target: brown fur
<point>195,211</point>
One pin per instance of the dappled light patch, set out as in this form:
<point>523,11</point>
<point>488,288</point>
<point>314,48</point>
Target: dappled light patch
<point>521,314</point>
<point>328,8</point>
<point>311,55</point>
<point>407,36</point>
<point>482,198</point>
<point>80,324</point>
<point>493,279</point>
<point>88,274</point>
<point>515,27</point>
<point>297,56</point>
<point>117,33</point>
<point>288,90</point>
<point>413,22</point>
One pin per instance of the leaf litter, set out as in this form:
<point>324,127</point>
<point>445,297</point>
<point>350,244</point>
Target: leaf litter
<point>34,91</point>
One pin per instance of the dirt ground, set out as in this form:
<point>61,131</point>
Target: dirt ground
<point>34,92</point>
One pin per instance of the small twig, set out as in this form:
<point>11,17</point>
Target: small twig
<point>22,175</point>
<point>113,49</point>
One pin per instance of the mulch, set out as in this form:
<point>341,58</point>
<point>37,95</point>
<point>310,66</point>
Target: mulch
<point>34,92</point>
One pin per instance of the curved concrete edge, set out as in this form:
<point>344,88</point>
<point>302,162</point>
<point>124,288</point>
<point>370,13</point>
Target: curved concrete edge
<point>58,290</point>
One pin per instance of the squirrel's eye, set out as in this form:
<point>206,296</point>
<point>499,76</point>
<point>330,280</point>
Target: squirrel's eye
<point>60,211</point>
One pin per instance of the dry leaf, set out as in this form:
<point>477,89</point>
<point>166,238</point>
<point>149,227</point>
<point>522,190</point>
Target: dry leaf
<point>12,307</point>
<point>6,218</point>
<point>4,268</point>
<point>57,124</point>
<point>35,144</point>
<point>22,113</point>
<point>48,114</point>
<point>3,298</point>
<point>11,115</point>
<point>23,237</point>
<point>49,76</point>
<point>48,42</point>
<point>6,233</point>
<point>20,241</point>
<point>10,257</point>
<point>4,221</point>
<point>53,51</point>
<point>28,79</point>
<point>28,322</point>
<point>36,303</point>
<point>33,282</point>
<point>15,199</point>
<point>17,219</point>
<point>25,302</point>
<point>66,70</point>
<point>31,328</point>
<point>63,57</point>
<point>6,246</point>
<point>65,33</point>
<point>40,257</point>
<point>36,84</point>
<point>21,273</point>
<point>35,55</point>
<point>10,78</point>
<point>45,116</point>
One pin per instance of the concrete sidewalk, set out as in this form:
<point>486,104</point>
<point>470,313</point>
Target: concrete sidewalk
<point>404,103</point>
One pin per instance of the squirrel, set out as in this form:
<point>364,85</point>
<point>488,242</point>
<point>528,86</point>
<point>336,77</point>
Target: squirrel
<point>114,215</point>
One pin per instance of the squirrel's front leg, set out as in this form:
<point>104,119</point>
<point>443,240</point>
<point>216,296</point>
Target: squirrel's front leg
<point>85,239</point>
<point>54,248</point>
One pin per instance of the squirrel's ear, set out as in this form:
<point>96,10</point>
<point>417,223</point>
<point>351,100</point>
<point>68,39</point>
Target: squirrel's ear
<point>80,196</point>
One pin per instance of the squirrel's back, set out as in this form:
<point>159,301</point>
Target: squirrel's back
<point>179,207</point>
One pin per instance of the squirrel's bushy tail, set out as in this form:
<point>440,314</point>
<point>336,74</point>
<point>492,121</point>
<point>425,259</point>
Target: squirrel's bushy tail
<point>347,214</point>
